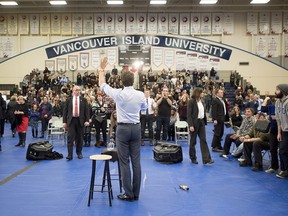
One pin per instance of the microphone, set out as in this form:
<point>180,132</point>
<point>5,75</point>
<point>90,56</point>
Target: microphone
<point>184,187</point>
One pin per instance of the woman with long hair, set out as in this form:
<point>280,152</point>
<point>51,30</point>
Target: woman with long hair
<point>21,115</point>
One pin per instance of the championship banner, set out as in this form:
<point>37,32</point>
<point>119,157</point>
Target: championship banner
<point>228,23</point>
<point>120,23</point>
<point>55,24</point>
<point>173,23</point>
<point>184,28</point>
<point>84,60</point>
<point>205,26</point>
<point>169,58</point>
<point>66,25</point>
<point>12,24</point>
<point>131,23</point>
<point>261,46</point>
<point>99,23</point>
<point>50,64</point>
<point>88,28</point>
<point>192,61</point>
<point>217,23</point>
<point>264,22</point>
<point>203,62</point>
<point>72,62</point>
<point>157,56</point>
<point>109,23</point>
<point>95,59</point>
<point>112,56</point>
<point>23,24</point>
<point>286,45</point>
<point>3,24</point>
<point>77,24</point>
<point>285,22</point>
<point>276,22</point>
<point>61,65</point>
<point>44,24</point>
<point>152,27</point>
<point>34,24</point>
<point>214,62</point>
<point>273,46</point>
<point>141,23</point>
<point>8,46</point>
<point>252,23</point>
<point>180,60</point>
<point>162,23</point>
<point>195,23</point>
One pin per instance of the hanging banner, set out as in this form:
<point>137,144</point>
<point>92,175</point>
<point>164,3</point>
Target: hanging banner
<point>112,56</point>
<point>252,23</point>
<point>12,24</point>
<point>157,56</point>
<point>192,61</point>
<point>55,24</point>
<point>152,27</point>
<point>285,22</point>
<point>228,23</point>
<point>99,21</point>
<point>205,26</point>
<point>173,23</point>
<point>3,24</point>
<point>217,23</point>
<point>180,60</point>
<point>162,23</point>
<point>131,23</point>
<point>109,23</point>
<point>276,22</point>
<point>273,46</point>
<point>119,23</point>
<point>203,62</point>
<point>261,46</point>
<point>23,24</point>
<point>184,28</point>
<point>264,22</point>
<point>84,60</point>
<point>44,24</point>
<point>72,62</point>
<point>195,23</point>
<point>141,23</point>
<point>66,24</point>
<point>88,25</point>
<point>61,65</point>
<point>34,24</point>
<point>77,24</point>
<point>169,58</point>
<point>214,62</point>
<point>95,59</point>
<point>7,47</point>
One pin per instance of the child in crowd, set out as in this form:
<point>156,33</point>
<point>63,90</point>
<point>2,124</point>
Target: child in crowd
<point>33,120</point>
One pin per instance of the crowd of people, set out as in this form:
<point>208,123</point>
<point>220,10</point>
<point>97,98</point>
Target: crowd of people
<point>191,96</point>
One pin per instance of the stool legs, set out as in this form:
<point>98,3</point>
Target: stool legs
<point>92,181</point>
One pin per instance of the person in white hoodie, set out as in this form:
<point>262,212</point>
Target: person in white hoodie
<point>281,112</point>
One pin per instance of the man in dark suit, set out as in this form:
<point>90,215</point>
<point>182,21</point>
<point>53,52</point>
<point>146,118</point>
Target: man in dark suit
<point>75,116</point>
<point>219,116</point>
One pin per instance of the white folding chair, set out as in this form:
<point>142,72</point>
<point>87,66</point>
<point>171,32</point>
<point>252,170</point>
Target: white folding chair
<point>56,129</point>
<point>182,129</point>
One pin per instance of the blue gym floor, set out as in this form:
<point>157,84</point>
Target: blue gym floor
<point>61,187</point>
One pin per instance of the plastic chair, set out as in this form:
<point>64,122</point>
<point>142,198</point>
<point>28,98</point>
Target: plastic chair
<point>182,129</point>
<point>55,128</point>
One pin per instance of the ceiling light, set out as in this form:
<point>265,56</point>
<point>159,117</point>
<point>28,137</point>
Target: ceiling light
<point>208,1</point>
<point>115,2</point>
<point>158,1</point>
<point>259,1</point>
<point>6,3</point>
<point>58,2</point>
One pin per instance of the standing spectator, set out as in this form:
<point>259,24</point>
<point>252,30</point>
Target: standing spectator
<point>114,70</point>
<point>183,107</point>
<point>10,112</point>
<point>45,111</point>
<point>219,116</point>
<point>164,104</point>
<point>196,117</point>
<point>33,120</point>
<point>21,115</point>
<point>79,79</point>
<point>129,102</point>
<point>2,114</point>
<point>75,116</point>
<point>173,118</point>
<point>282,122</point>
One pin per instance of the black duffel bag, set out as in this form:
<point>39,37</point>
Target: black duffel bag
<point>168,153</point>
<point>42,151</point>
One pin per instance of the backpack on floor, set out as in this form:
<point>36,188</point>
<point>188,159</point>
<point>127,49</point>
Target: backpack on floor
<point>42,151</point>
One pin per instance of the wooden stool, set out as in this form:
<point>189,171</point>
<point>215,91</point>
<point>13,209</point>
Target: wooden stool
<point>114,158</point>
<point>105,158</point>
